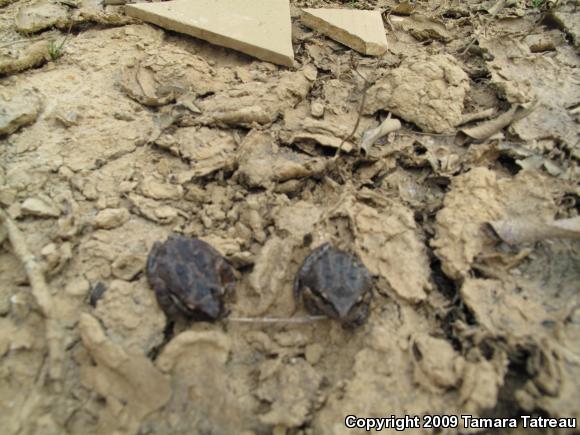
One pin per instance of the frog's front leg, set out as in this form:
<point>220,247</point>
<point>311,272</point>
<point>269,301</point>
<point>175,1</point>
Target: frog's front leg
<point>358,317</point>
<point>164,299</point>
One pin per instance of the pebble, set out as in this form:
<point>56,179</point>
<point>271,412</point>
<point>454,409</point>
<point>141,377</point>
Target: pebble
<point>78,286</point>
<point>4,304</point>
<point>19,111</point>
<point>67,119</point>
<point>313,353</point>
<point>127,266</point>
<point>111,218</point>
<point>157,190</point>
<point>39,207</point>
<point>317,109</point>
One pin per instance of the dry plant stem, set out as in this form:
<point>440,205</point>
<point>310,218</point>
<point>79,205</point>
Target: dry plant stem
<point>360,111</point>
<point>497,7</point>
<point>371,136</point>
<point>389,22</point>
<point>41,293</point>
<point>493,11</point>
<point>276,319</point>
<point>21,41</point>
<point>470,117</point>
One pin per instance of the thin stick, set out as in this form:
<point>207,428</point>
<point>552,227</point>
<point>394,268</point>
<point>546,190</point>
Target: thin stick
<point>390,23</point>
<point>360,111</point>
<point>275,319</point>
<point>41,293</point>
<point>21,41</point>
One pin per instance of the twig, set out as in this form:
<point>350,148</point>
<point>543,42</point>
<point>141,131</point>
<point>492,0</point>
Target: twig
<point>41,293</point>
<point>369,137</point>
<point>21,41</point>
<point>423,133</point>
<point>493,11</point>
<point>476,116</point>
<point>367,85</point>
<point>275,319</point>
<point>390,23</point>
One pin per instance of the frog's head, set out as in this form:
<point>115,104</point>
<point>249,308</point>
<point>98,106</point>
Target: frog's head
<point>201,302</point>
<point>351,310</point>
<point>196,296</point>
<point>344,300</point>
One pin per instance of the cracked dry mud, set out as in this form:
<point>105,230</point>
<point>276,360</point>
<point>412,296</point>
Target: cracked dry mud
<point>135,133</point>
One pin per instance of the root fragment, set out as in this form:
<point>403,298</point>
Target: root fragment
<point>42,295</point>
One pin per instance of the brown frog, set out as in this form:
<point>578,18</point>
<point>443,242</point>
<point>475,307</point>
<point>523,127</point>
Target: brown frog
<point>189,278</point>
<point>335,283</point>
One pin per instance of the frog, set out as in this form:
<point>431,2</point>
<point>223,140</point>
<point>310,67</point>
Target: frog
<point>335,283</point>
<point>190,278</point>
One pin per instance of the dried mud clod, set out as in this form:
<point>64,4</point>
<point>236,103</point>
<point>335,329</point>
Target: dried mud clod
<point>34,55</point>
<point>18,110</point>
<point>429,92</point>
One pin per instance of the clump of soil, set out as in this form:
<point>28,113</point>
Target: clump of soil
<point>115,134</point>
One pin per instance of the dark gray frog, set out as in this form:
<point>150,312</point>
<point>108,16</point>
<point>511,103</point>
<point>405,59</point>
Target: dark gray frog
<point>335,283</point>
<point>190,278</point>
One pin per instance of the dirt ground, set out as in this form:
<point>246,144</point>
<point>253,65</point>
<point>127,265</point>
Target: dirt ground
<point>115,134</point>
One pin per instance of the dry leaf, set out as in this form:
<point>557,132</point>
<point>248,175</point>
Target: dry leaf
<point>523,230</point>
<point>487,129</point>
<point>371,136</point>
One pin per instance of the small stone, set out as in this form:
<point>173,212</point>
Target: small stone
<point>7,195</point>
<point>127,266</point>
<point>127,186</point>
<point>8,329</point>
<point>165,214</point>
<point>67,119</point>
<point>40,207</point>
<point>18,111</point>
<point>313,353</point>
<point>291,338</point>
<point>123,116</point>
<point>310,72</point>
<point>50,254</point>
<point>56,256</point>
<point>111,218</point>
<point>90,191</point>
<point>39,16</point>
<point>14,210</point>
<point>20,305</point>
<point>4,303</point>
<point>317,109</point>
<point>157,190</point>
<point>66,173</point>
<point>78,286</point>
